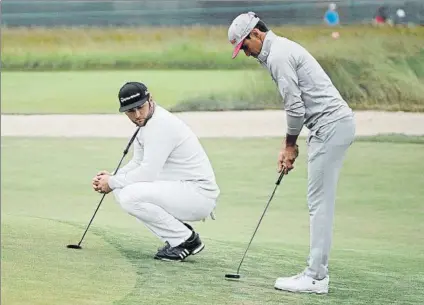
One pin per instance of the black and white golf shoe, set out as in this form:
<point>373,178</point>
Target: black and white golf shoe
<point>167,245</point>
<point>191,246</point>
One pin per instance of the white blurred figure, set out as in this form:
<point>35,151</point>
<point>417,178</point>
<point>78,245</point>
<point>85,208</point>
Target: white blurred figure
<point>400,18</point>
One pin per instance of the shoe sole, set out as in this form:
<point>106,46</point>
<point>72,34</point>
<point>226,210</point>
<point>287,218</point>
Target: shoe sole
<point>168,260</point>
<point>198,249</point>
<point>194,252</point>
<point>303,291</point>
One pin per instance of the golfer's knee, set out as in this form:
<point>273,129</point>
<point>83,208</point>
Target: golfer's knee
<point>148,212</point>
<point>135,207</point>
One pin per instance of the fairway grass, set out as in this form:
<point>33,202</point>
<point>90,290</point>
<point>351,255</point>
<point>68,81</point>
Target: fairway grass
<point>88,92</point>
<point>378,247</point>
<point>97,91</point>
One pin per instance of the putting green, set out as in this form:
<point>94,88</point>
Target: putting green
<point>47,201</point>
<point>39,269</point>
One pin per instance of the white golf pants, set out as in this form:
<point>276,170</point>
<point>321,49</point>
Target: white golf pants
<point>326,150</point>
<point>163,206</point>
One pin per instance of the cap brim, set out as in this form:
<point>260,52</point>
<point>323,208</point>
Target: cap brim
<point>133,105</point>
<point>237,49</point>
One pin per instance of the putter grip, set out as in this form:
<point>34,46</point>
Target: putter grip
<point>131,141</point>
<point>280,178</point>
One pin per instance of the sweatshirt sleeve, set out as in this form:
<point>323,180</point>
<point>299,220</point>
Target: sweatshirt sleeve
<point>283,70</point>
<point>158,145</point>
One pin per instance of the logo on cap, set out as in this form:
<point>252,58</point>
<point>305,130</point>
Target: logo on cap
<point>124,99</point>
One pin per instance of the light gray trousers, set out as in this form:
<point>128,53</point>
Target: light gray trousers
<point>327,147</point>
<point>162,206</point>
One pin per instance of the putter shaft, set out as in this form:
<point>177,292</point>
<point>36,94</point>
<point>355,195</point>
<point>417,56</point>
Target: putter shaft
<point>116,170</point>
<point>277,183</point>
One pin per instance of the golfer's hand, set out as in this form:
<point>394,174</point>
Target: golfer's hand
<point>95,183</point>
<point>103,173</point>
<point>102,184</point>
<point>286,158</point>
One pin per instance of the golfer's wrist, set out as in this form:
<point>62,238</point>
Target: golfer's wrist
<point>291,140</point>
<point>111,182</point>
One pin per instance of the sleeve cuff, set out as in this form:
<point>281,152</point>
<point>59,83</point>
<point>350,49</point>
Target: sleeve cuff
<point>115,183</point>
<point>294,125</point>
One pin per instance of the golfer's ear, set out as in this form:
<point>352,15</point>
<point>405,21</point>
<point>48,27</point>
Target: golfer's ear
<point>255,33</point>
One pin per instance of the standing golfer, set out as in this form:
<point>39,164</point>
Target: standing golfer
<point>168,181</point>
<point>310,99</point>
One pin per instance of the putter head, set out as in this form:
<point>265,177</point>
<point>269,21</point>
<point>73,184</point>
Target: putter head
<point>73,247</point>
<point>232,276</point>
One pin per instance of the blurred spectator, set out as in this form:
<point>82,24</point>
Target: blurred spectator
<point>400,18</point>
<point>382,15</point>
<point>331,17</point>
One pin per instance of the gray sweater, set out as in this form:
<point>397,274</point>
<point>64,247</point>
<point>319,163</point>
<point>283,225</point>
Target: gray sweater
<point>309,96</point>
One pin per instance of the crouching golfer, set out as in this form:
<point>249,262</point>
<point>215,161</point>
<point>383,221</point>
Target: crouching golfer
<point>168,181</point>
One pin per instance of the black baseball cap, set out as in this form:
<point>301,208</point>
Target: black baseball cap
<point>131,95</point>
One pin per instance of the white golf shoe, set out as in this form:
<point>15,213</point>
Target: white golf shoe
<point>302,283</point>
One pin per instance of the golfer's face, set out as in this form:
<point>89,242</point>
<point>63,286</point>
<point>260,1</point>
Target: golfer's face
<point>139,114</point>
<point>252,46</point>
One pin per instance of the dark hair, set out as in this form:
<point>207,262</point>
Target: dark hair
<point>261,26</point>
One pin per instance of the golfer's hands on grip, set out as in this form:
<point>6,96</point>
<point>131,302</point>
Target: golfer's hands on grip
<point>286,158</point>
<point>100,182</point>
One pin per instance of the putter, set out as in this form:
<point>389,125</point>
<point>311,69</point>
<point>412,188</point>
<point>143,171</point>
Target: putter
<point>236,276</point>
<point>78,246</point>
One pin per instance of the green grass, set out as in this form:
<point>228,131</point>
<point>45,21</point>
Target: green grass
<point>97,92</point>
<point>374,68</point>
<point>201,90</point>
<point>378,246</point>
<point>188,47</point>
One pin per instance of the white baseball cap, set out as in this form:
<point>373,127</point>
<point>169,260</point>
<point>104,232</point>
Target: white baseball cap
<point>241,26</point>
